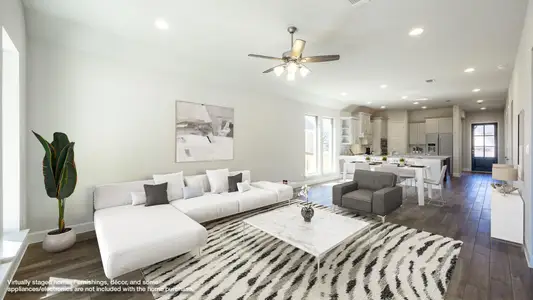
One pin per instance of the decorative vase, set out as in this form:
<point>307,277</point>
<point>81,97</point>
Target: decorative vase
<point>307,213</point>
<point>57,242</point>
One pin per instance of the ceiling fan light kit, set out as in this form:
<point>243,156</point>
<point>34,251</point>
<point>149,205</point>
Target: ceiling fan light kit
<point>293,60</point>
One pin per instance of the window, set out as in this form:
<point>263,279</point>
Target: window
<point>485,140</point>
<point>311,153</point>
<point>327,146</point>
<point>10,142</point>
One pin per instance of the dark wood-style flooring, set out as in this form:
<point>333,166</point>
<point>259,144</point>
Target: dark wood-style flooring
<point>486,269</point>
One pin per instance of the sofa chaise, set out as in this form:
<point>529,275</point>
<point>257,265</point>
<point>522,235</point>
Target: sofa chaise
<point>132,237</point>
<point>370,192</point>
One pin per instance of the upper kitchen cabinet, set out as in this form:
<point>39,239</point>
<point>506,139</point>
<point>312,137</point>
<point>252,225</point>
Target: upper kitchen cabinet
<point>365,126</point>
<point>417,133</point>
<point>349,131</point>
<point>432,125</point>
<point>445,125</point>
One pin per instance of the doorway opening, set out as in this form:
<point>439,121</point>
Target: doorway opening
<point>484,146</point>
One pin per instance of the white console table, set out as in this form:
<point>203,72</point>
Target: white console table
<point>507,217</point>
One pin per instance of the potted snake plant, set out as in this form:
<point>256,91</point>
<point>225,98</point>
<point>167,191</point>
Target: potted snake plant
<point>60,177</point>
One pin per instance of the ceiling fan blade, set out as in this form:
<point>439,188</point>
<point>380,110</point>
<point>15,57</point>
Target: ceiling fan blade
<point>272,69</point>
<point>264,56</point>
<point>321,58</point>
<point>297,48</point>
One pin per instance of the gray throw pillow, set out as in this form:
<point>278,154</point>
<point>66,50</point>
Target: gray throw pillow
<point>232,182</point>
<point>192,192</point>
<point>156,194</point>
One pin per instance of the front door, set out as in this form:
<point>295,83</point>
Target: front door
<point>484,146</point>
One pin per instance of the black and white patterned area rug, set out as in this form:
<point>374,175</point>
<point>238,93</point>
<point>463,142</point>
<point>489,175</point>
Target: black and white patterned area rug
<point>388,262</point>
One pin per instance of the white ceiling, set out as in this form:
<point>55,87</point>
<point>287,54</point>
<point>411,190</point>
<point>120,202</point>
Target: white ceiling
<point>372,40</point>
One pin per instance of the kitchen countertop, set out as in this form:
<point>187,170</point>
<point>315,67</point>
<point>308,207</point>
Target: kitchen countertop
<point>416,156</point>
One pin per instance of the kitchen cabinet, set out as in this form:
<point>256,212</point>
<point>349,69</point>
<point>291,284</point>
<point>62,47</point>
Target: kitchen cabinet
<point>445,125</point>
<point>432,125</point>
<point>365,127</point>
<point>349,131</point>
<point>417,133</point>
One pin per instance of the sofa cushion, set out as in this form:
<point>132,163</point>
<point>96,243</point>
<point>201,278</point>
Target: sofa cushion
<point>117,194</point>
<point>218,180</point>
<point>156,194</point>
<point>232,182</point>
<point>198,181</point>
<point>175,184</point>
<point>133,237</point>
<point>359,200</point>
<point>246,175</point>
<point>252,199</point>
<point>192,192</point>
<point>361,195</point>
<point>207,207</point>
<point>370,180</point>
<point>285,192</point>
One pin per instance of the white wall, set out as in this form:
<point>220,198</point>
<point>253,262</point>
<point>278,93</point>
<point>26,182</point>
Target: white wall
<point>12,19</point>
<point>482,117</point>
<point>520,94</point>
<point>417,116</point>
<point>121,117</point>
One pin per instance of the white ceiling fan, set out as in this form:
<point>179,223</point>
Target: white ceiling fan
<point>293,60</point>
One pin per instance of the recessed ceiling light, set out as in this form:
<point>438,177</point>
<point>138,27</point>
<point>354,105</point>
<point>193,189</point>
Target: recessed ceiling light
<point>415,103</point>
<point>383,86</point>
<point>424,107</point>
<point>469,70</point>
<point>383,107</point>
<point>404,97</point>
<point>483,108</point>
<point>161,24</point>
<point>422,99</point>
<point>479,101</point>
<point>369,102</point>
<point>501,67</point>
<point>476,90</point>
<point>416,31</point>
<point>344,94</point>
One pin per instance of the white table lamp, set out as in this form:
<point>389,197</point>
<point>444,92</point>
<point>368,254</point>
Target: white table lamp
<point>505,173</point>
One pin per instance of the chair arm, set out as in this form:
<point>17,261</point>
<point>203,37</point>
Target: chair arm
<point>341,189</point>
<point>386,200</point>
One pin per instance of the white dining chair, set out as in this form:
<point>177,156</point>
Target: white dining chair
<point>439,183</point>
<point>393,168</point>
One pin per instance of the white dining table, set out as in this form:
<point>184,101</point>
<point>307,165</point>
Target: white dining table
<point>420,174</point>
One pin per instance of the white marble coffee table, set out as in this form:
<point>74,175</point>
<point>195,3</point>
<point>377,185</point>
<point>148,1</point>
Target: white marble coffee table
<point>326,230</point>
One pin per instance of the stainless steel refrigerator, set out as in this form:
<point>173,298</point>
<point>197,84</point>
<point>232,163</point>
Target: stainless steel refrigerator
<point>440,144</point>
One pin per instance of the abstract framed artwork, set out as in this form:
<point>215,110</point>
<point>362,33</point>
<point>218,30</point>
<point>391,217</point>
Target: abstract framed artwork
<point>203,132</point>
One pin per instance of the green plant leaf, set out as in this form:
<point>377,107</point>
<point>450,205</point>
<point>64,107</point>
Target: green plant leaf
<point>48,169</point>
<point>68,178</point>
<point>59,143</point>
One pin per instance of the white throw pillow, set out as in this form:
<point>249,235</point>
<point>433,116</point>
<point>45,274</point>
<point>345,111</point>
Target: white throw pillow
<point>243,186</point>
<point>175,184</point>
<point>218,180</point>
<point>199,181</point>
<point>138,198</point>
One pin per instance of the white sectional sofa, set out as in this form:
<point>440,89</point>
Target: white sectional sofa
<point>132,237</point>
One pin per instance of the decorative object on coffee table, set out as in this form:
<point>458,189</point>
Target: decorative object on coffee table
<point>60,176</point>
<point>307,210</point>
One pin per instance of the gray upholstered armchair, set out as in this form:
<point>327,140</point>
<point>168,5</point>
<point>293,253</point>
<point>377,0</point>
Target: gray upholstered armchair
<point>369,192</point>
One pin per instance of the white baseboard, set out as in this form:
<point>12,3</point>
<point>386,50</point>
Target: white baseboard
<point>38,236</point>
<point>529,259</point>
<point>456,174</point>
<point>467,170</point>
